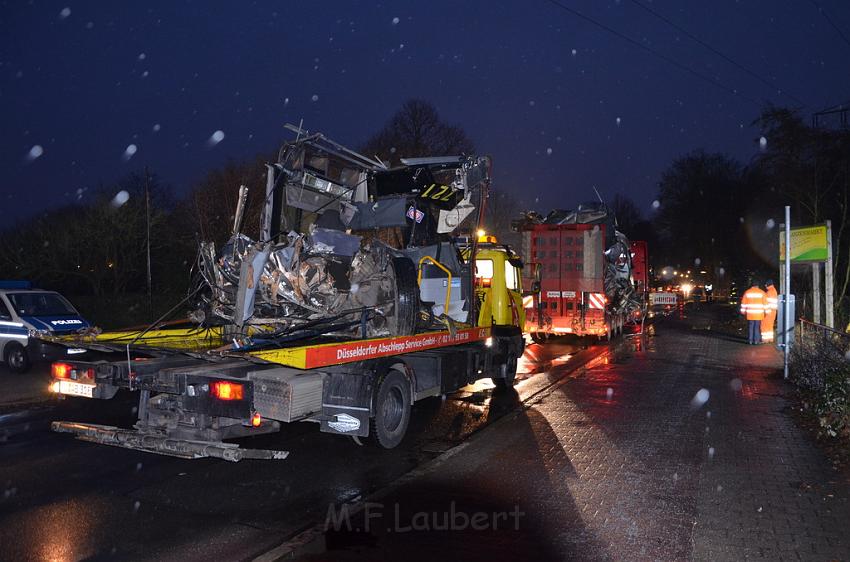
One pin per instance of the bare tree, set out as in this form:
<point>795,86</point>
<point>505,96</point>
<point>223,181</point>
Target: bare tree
<point>627,214</point>
<point>417,130</point>
<point>211,205</point>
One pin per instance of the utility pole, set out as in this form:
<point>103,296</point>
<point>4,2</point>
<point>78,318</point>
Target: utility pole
<point>148,238</point>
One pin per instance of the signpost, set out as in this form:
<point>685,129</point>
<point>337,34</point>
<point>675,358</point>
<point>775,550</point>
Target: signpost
<point>786,302</point>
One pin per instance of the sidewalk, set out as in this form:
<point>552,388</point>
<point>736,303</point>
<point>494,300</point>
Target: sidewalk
<point>678,446</point>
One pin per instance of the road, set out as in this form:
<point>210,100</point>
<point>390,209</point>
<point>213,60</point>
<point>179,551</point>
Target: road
<point>63,499</point>
<point>24,388</point>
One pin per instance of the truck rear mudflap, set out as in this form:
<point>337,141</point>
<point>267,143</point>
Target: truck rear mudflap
<point>163,444</point>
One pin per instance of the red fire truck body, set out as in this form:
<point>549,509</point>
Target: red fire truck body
<point>570,261</point>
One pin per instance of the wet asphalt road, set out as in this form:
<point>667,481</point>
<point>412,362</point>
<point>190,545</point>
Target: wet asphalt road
<point>62,499</point>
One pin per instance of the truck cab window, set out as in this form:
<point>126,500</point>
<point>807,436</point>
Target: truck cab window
<point>484,269</point>
<point>510,277</point>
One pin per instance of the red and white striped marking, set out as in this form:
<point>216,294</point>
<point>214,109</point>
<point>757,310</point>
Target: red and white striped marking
<point>595,300</point>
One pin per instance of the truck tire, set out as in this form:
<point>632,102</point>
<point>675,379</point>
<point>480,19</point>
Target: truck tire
<point>16,358</point>
<point>508,371</point>
<point>392,410</point>
<point>407,298</point>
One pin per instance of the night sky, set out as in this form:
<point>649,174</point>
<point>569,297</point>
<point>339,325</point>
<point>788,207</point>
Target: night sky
<point>561,104</point>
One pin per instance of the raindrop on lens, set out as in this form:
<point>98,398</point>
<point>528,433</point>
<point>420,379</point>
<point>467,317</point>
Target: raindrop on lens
<point>770,223</point>
<point>656,204</point>
<point>216,138</point>
<point>65,12</point>
<point>130,151</point>
<point>120,198</point>
<point>395,21</point>
<point>35,152</point>
<point>700,398</point>
<point>609,394</point>
<point>711,452</point>
<point>762,143</point>
<point>315,97</point>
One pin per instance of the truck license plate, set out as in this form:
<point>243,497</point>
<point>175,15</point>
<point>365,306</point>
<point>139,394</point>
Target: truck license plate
<point>76,389</point>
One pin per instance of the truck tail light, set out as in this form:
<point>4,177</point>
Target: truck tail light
<point>224,390</point>
<point>256,419</point>
<point>60,371</point>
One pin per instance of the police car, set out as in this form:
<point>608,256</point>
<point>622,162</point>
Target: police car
<point>24,309</point>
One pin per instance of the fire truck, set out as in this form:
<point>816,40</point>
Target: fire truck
<point>587,279</point>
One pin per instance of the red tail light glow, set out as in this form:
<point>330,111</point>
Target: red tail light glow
<point>60,371</point>
<point>256,420</point>
<point>224,390</point>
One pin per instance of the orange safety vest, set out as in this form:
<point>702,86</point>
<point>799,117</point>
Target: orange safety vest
<point>754,303</point>
<point>771,307</point>
<point>772,301</point>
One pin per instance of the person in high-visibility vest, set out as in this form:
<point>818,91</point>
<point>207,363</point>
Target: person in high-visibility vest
<point>771,306</point>
<point>753,305</point>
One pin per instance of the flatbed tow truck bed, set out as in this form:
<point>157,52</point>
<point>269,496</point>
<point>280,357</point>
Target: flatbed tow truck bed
<point>195,393</point>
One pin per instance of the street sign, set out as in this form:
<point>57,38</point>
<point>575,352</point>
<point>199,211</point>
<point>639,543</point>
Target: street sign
<point>808,244</point>
<point>785,333</point>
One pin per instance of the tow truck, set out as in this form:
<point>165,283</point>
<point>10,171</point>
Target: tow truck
<point>200,386</point>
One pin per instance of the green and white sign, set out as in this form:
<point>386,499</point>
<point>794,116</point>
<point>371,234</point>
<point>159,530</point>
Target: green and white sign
<point>808,244</point>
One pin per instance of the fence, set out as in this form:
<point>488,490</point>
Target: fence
<point>811,334</point>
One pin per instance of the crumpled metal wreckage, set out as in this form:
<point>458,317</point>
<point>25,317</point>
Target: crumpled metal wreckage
<point>359,276</point>
<point>325,275</point>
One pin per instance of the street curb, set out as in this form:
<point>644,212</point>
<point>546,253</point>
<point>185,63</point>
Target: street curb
<point>295,546</point>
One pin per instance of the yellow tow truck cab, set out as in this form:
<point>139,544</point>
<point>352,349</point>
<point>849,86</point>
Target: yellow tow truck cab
<point>498,282</point>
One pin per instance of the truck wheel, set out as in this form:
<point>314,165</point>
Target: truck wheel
<point>17,358</point>
<point>392,410</point>
<point>508,369</point>
<point>403,322</point>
